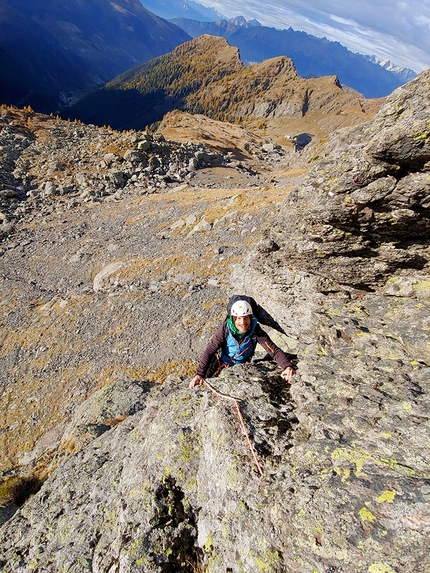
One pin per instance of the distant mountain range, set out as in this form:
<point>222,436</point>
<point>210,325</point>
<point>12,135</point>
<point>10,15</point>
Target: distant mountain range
<point>182,9</point>
<point>206,76</point>
<point>406,74</point>
<point>312,57</point>
<point>51,51</point>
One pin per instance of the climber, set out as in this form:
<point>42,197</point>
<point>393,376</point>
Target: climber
<point>234,343</point>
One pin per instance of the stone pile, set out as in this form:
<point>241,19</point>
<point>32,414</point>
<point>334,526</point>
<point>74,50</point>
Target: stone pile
<point>50,161</point>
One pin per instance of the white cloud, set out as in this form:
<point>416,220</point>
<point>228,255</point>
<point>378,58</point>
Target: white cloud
<point>389,29</point>
<point>342,20</point>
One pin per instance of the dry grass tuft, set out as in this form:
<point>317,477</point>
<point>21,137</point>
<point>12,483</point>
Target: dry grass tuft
<point>17,489</point>
<point>184,368</point>
<point>115,421</point>
<point>68,447</point>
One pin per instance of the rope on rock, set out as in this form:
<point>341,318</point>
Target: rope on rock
<point>241,421</point>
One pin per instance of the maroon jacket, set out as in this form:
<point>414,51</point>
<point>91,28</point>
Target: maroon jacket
<point>261,337</point>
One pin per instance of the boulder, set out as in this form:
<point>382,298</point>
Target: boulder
<point>201,227</point>
<point>144,145</point>
<point>9,194</point>
<point>118,178</point>
<point>132,156</point>
<point>103,276</point>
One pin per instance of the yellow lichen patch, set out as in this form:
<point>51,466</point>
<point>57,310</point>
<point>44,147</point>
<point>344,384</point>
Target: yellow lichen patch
<point>423,286</point>
<point>358,458</point>
<point>267,561</point>
<point>209,543</point>
<point>387,495</point>
<point>366,515</point>
<point>353,456</point>
<point>190,448</point>
<point>421,136</point>
<point>344,473</point>
<point>380,568</point>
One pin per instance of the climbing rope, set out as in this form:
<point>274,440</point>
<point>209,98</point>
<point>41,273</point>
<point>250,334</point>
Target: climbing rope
<point>241,421</point>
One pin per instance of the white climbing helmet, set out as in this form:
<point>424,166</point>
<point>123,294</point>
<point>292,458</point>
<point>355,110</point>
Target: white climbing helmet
<point>241,308</point>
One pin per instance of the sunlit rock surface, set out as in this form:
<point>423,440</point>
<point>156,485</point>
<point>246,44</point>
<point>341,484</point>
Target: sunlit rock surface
<point>344,451</point>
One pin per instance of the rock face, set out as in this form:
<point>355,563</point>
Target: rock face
<point>363,212</point>
<point>175,487</point>
<point>360,220</point>
<point>345,484</point>
<point>164,488</point>
<point>345,268</point>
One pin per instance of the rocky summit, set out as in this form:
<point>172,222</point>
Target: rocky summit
<point>111,286</point>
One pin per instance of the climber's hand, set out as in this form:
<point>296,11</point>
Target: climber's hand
<point>288,373</point>
<point>197,380</point>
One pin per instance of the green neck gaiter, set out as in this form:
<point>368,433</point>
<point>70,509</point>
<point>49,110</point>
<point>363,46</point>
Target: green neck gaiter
<point>233,328</point>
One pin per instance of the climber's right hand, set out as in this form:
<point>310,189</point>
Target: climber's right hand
<point>197,380</point>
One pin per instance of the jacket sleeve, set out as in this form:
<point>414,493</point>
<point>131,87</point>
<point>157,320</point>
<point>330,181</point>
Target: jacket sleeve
<point>211,349</point>
<point>270,347</point>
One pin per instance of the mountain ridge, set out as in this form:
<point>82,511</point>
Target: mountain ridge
<point>207,76</point>
<point>71,48</point>
<point>312,56</point>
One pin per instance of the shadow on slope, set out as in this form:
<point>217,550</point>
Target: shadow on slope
<point>123,109</point>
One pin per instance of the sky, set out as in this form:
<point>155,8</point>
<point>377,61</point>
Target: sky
<point>389,29</point>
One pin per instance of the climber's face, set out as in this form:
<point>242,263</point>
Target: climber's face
<point>242,323</point>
